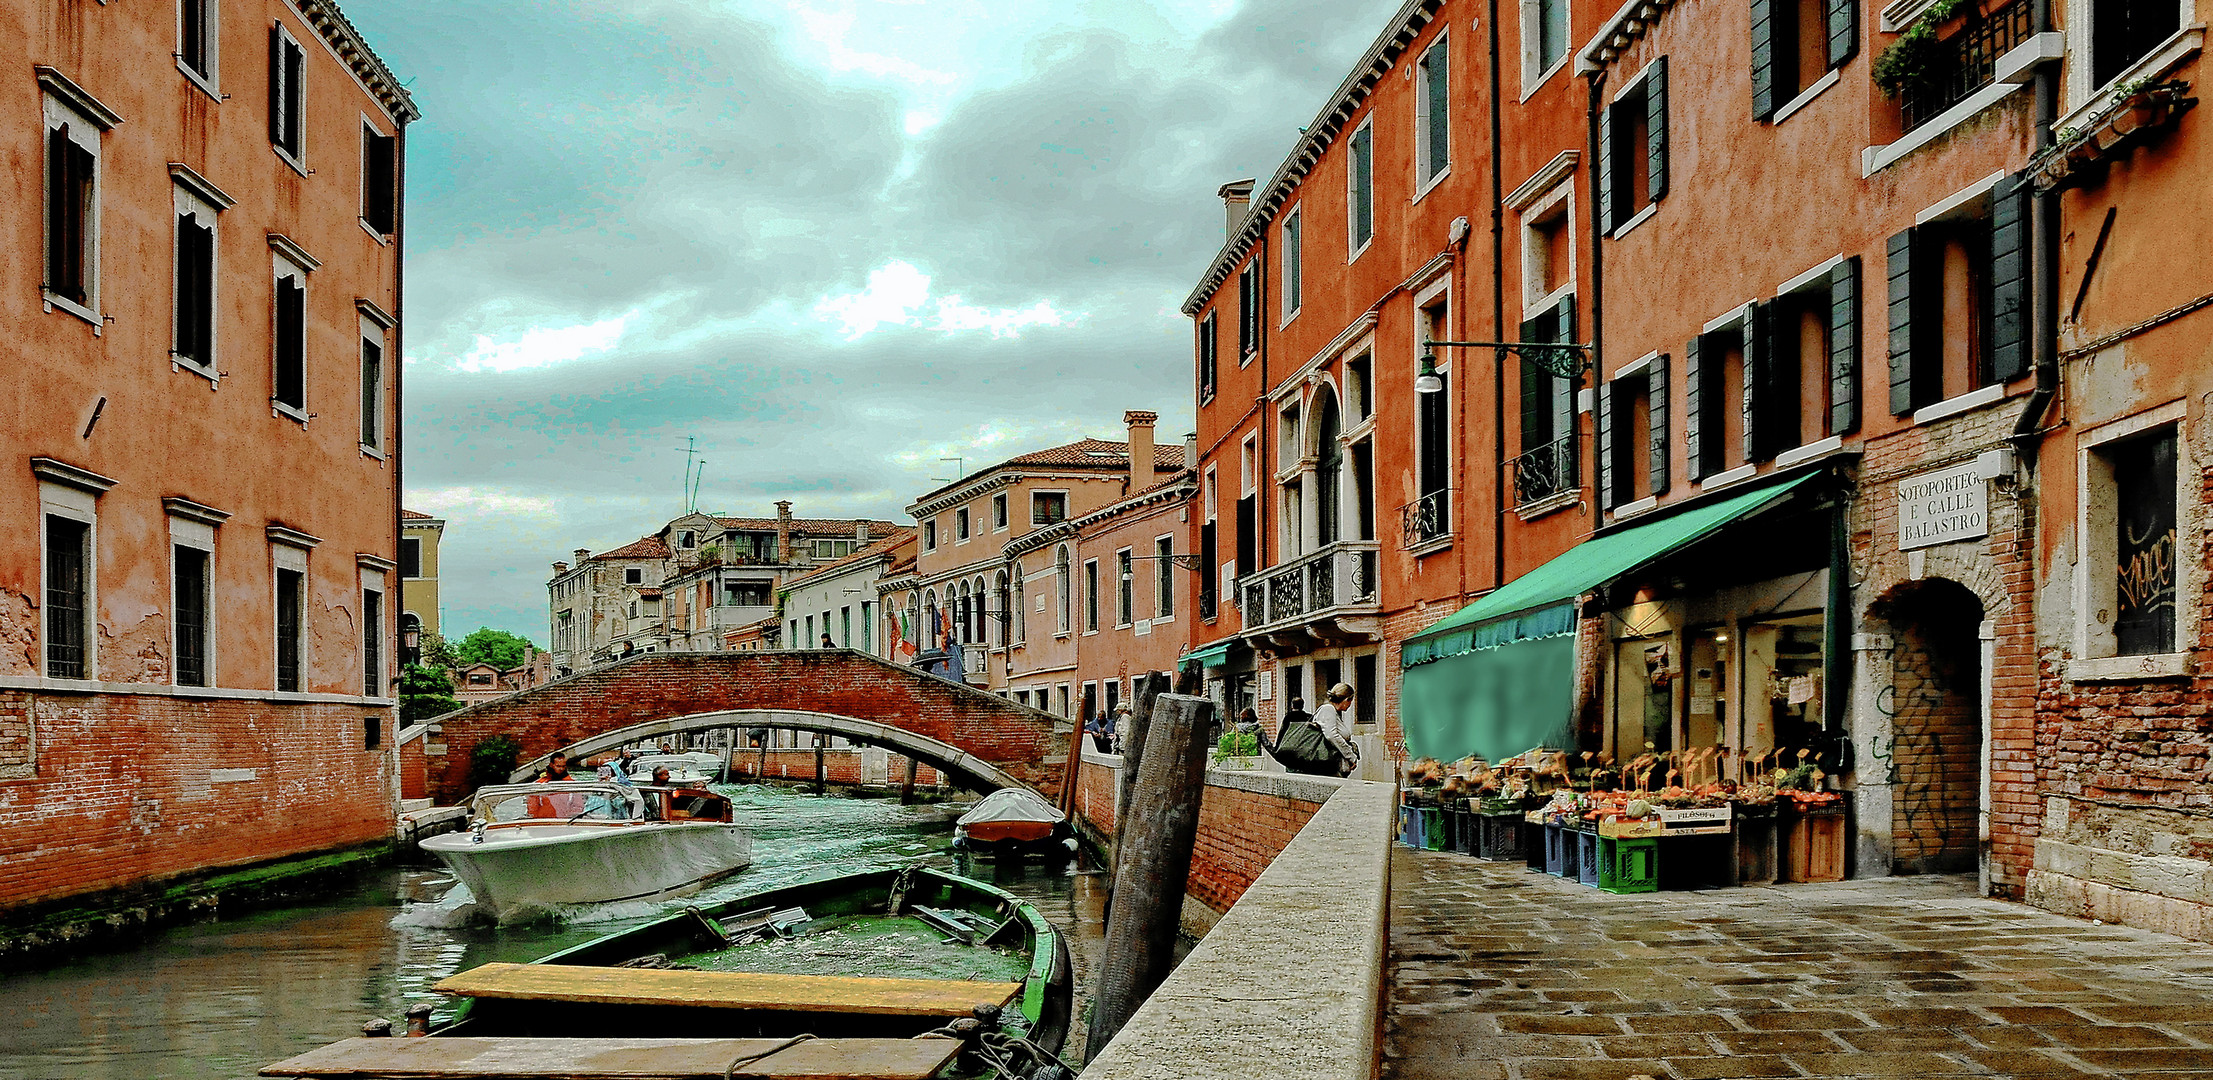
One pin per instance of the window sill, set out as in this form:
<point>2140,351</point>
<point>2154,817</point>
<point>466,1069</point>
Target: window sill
<point>214,378</point>
<point>1810,451</point>
<point>375,235</point>
<point>1531,86</point>
<point>2129,668</point>
<point>284,155</point>
<point>1641,506</point>
<point>205,84</point>
<point>1635,220</point>
<point>1971,400</point>
<point>283,411</point>
<point>1721,480</point>
<point>57,302</point>
<point>1550,504</point>
<point>1805,97</point>
<point>371,451</point>
<point>1290,315</point>
<point>2185,43</point>
<point>1360,249</point>
<point>1875,159</point>
<point>1422,189</point>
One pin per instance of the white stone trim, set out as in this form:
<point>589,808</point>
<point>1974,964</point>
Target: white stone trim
<point>1805,97</point>
<point>1953,406</point>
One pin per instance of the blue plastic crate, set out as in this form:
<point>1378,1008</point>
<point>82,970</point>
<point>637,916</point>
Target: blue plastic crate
<point>1586,858</point>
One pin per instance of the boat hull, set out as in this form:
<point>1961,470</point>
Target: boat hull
<point>533,867</point>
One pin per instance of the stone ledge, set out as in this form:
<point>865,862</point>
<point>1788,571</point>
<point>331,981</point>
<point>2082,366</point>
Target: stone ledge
<point>2065,895</point>
<point>2173,877</point>
<point>1234,995</point>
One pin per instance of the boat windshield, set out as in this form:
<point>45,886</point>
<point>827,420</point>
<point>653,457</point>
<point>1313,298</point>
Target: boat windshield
<point>563,802</point>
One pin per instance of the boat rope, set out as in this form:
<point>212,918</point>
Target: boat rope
<point>731,1073</point>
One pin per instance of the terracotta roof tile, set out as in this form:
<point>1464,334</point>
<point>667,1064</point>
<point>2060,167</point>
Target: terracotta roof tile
<point>822,527</point>
<point>1097,454</point>
<point>415,515</point>
<point>645,547</point>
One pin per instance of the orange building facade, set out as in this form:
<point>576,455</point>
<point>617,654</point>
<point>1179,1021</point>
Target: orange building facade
<point>199,577</point>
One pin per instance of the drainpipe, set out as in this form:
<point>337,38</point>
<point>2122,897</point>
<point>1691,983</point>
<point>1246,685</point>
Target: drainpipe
<point>1498,323</point>
<point>1593,117</point>
<point>2043,262</point>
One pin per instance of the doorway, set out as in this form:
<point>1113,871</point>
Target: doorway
<point>1935,704</point>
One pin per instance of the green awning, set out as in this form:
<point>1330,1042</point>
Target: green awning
<point>1211,655</point>
<point>1533,602</point>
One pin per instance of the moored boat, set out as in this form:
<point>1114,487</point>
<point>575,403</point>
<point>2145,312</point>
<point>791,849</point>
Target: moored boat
<point>530,847</point>
<point>1013,822</point>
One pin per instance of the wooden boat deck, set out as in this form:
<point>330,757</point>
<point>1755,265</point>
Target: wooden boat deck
<point>622,1059</point>
<point>845,995</point>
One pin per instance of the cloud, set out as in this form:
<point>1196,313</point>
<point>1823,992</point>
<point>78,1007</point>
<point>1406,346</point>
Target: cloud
<point>544,346</point>
<point>898,295</point>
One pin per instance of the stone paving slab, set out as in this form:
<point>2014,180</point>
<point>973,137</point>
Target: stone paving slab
<point>1500,973</point>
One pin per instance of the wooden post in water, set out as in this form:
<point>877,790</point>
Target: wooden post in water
<point>1154,837</point>
<point>767,736</point>
<point>1149,687</point>
<point>906,789</point>
<point>822,774</point>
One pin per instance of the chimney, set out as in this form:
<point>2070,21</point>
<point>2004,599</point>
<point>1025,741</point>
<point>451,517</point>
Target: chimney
<point>860,531</point>
<point>783,531</point>
<point>583,554</point>
<point>1236,199</point>
<point>1141,448</point>
<point>560,568</point>
<point>1191,450</point>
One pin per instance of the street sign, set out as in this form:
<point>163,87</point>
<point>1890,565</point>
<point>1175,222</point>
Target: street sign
<point>1943,505</point>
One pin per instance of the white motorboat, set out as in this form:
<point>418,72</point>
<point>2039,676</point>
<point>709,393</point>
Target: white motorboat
<point>532,846</point>
<point>683,768</point>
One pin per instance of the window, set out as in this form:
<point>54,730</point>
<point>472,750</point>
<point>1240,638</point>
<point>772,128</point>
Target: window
<point>960,525</point>
<point>1632,434</point>
<point>1124,585</point>
<point>196,38</point>
<point>929,535</point>
<point>372,732</point>
<point>1632,149</point>
<point>2125,31</point>
<point>1048,507</point>
<point>289,393</point>
<point>999,512</point>
<point>835,549</point>
<point>1794,44</point>
<point>2135,558</point>
<point>1329,469</point>
<point>1248,514</point>
<point>1113,695</point>
<point>291,611</point>
<point>372,643</point>
<point>190,581</point>
<point>192,320</point>
<point>1713,417</point>
<point>72,206</point>
<point>287,95</point>
<point>1164,578</point>
<point>1360,182</point>
<point>1291,261</point>
<point>633,609</point>
<point>372,392</point>
<point>1206,347</point>
<point>1432,115</point>
<point>745,594</point>
<point>1812,342</point>
<point>1248,313</point>
<point>411,557</point>
<point>68,598</point>
<point>1062,602</point>
<point>379,182</point>
<point>809,642</point>
<point>1090,595</point>
<point>686,539</point>
<point>1547,465</point>
<point>1544,40</point>
<point>845,625</point>
<point>1959,298</point>
<point>633,575</point>
<point>868,628</point>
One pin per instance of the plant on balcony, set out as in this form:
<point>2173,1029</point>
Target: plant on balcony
<point>2139,109</point>
<point>1916,61</point>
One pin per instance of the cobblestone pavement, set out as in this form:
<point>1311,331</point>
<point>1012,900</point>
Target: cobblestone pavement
<point>1500,973</point>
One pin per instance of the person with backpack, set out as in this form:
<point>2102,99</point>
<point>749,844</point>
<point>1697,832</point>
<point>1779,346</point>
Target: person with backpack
<point>1320,745</point>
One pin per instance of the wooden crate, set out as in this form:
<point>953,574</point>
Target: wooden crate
<point>1813,846</point>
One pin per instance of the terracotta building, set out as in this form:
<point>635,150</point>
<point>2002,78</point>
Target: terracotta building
<point>199,549</point>
<point>420,535</point>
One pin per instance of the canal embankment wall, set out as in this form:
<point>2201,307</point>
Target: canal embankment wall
<point>1294,971</point>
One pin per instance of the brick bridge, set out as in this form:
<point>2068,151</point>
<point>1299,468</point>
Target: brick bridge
<point>979,739</point>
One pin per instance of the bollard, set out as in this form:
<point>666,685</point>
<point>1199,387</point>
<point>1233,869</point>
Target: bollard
<point>1148,688</point>
<point>906,789</point>
<point>1153,845</point>
<point>418,1020</point>
<point>378,1028</point>
<point>822,775</point>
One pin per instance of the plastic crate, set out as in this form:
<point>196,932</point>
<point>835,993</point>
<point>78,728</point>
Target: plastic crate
<point>1628,866</point>
<point>1757,862</point>
<point>1532,845</point>
<point>1586,857</point>
<point>1559,851</point>
<point>1409,825</point>
<point>1433,836</point>
<point>1498,836</point>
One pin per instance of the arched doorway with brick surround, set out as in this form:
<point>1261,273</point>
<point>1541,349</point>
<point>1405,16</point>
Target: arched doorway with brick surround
<point>1936,760</point>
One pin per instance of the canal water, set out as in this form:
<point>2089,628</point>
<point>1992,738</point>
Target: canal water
<point>220,1000</point>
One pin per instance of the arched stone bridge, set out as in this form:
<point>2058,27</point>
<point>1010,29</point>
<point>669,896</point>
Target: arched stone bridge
<point>980,739</point>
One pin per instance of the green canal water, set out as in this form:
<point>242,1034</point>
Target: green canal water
<point>220,1000</point>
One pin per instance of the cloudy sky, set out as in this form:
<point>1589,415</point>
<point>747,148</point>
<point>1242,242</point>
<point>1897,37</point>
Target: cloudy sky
<point>832,241</point>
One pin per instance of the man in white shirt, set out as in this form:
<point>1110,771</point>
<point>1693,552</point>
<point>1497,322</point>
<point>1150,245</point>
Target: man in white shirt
<point>1334,719</point>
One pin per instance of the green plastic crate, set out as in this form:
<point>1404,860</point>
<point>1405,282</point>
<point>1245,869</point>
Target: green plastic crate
<point>1628,866</point>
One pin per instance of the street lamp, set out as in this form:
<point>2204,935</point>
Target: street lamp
<point>1425,379</point>
<point>411,641</point>
<point>1564,359</point>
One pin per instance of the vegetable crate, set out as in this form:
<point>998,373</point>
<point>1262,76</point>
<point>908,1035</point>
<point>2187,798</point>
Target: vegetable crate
<point>1586,857</point>
<point>1433,829</point>
<point>1559,851</point>
<point>1813,845</point>
<point>1533,844</point>
<point>1500,836</point>
<point>1756,850</point>
<point>1628,865</point>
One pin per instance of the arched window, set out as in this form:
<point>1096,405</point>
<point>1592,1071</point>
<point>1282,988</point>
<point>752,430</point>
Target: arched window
<point>1329,471</point>
<point>1018,611</point>
<point>1005,618</point>
<point>932,633</point>
<point>977,609</point>
<point>1062,601</point>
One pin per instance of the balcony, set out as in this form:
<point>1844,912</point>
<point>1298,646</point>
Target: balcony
<point>1326,597</point>
<point>1426,520</point>
<point>1544,473</point>
<point>976,664</point>
<point>1930,75</point>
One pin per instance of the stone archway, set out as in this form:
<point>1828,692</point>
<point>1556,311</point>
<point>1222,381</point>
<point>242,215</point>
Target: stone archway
<point>1936,705</point>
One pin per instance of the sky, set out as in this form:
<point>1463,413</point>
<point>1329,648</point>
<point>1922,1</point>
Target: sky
<point>829,243</point>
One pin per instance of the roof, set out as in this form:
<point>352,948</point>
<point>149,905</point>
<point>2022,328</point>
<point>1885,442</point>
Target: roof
<point>887,546</point>
<point>827,527</point>
<point>414,515</point>
<point>347,42</point>
<point>645,547</point>
<point>1097,454</point>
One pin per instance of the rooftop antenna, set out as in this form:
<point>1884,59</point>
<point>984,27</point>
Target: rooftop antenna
<point>691,490</point>
<point>960,470</point>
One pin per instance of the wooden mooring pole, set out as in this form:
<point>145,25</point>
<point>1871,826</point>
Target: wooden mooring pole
<point>906,789</point>
<point>822,771</point>
<point>1155,832</point>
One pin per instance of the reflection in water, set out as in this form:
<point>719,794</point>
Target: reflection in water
<point>224,999</point>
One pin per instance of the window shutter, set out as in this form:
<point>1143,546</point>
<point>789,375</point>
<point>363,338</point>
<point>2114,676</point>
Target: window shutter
<point>1694,434</point>
<point>1606,170</point>
<point>1844,347</point>
<point>1536,389</point>
<point>291,380</point>
<point>1899,265</point>
<point>1763,59</point>
<point>277,94</point>
<point>60,245</point>
<point>1655,118</point>
<point>1656,389</point>
<point>379,187</point>
<point>1606,465</point>
<point>1844,30</point>
<point>1563,390</point>
<point>1759,364</point>
<point>2009,279</point>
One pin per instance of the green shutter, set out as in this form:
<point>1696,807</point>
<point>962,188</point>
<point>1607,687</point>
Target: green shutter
<point>2009,278</point>
<point>1899,265</point>
<point>1694,428</point>
<point>1655,118</point>
<point>1606,464</point>
<point>1759,363</point>
<point>1606,169</point>
<point>1763,59</point>
<point>1563,390</point>
<point>1844,347</point>
<point>1656,389</point>
<point>1844,30</point>
<point>1536,389</point>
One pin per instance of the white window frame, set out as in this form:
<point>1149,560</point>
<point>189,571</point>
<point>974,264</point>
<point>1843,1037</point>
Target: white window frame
<point>288,556</point>
<point>929,534</point>
<point>1064,589</point>
<point>1534,71</point>
<point>1088,585</point>
<point>1439,45</point>
<point>2094,647</point>
<point>2082,99</point>
<point>211,18</point>
<point>372,581</point>
<point>369,127</point>
<point>1423,300</point>
<point>87,121</point>
<point>1291,264</point>
<point>196,531</point>
<point>297,159</point>
<point>372,333</point>
<point>1164,545</point>
<point>1249,461</point>
<point>81,505</point>
<point>1125,588</point>
<point>194,197</point>
<point>1353,243</point>
<point>964,525</point>
<point>1558,203</point>
<point>282,266</point>
<point>1002,513</point>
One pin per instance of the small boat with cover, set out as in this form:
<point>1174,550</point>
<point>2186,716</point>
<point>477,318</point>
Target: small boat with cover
<point>1012,822</point>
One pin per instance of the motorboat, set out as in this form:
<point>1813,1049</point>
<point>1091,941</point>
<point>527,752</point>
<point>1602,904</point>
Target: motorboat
<point>529,847</point>
<point>894,973</point>
<point>1013,822</point>
<point>683,768</point>
<point>709,764</point>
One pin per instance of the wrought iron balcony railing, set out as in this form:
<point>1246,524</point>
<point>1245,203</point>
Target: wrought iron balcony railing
<point>1340,576</point>
<point>1544,472</point>
<point>1425,519</point>
<point>1967,61</point>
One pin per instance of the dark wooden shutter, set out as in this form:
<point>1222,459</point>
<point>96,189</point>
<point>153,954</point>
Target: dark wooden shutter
<point>1759,367</point>
<point>1536,390</point>
<point>1763,58</point>
<point>1655,119</point>
<point>1563,390</point>
<point>1606,463</point>
<point>378,187</point>
<point>1899,265</point>
<point>1844,347</point>
<point>277,93</point>
<point>195,290</point>
<point>2009,279</point>
<point>1844,30</point>
<point>1656,390</point>
<point>291,375</point>
<point>1606,169</point>
<point>64,218</point>
<point>1694,405</point>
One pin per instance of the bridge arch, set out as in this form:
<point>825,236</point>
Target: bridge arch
<point>970,770</point>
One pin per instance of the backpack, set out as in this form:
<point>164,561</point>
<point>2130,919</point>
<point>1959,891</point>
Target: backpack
<point>1302,748</point>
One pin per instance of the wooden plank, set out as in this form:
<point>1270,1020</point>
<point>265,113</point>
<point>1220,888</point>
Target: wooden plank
<point>620,1059</point>
<point>728,990</point>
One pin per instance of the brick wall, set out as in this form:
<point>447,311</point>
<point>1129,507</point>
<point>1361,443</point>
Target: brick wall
<point>414,765</point>
<point>1246,819</point>
<point>135,789</point>
<point>1031,746</point>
